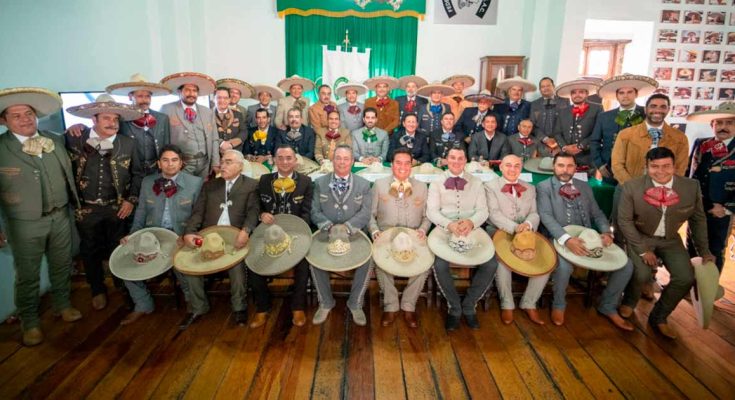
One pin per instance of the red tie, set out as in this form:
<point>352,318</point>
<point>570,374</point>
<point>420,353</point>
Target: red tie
<point>526,141</point>
<point>190,114</point>
<point>410,105</point>
<point>578,111</point>
<point>509,187</point>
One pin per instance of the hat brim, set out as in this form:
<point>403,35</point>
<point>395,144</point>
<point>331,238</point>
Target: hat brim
<point>434,171</point>
<point>360,252</point>
<point>188,261</point>
<point>404,80</point>
<point>709,116</point>
<point>263,264</point>
<point>42,101</point>
<point>285,84</point>
<point>123,266</point>
<point>421,263</point>
<point>643,84</point>
<point>613,257</point>
<point>545,261</point>
<point>389,80</point>
<point>125,111</point>
<point>275,92</point>
<point>307,166</point>
<point>705,292</point>
<point>425,91</point>
<point>125,88</point>
<point>533,165</point>
<point>484,249</point>
<point>368,171</point>
<point>466,79</point>
<point>246,91</point>
<point>205,83</point>
<point>255,170</point>
<point>358,87</point>
<point>506,84</point>
<point>475,98</point>
<point>565,89</point>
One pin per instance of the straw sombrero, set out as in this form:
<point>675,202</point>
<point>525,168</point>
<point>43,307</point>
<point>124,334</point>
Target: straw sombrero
<point>426,90</point>
<point>470,251</point>
<point>137,82</point>
<point>644,84</point>
<point>285,84</point>
<point>231,83</point>
<point>400,252</point>
<point>275,92</point>
<point>305,165</point>
<point>540,165</point>
<point>705,291</point>
<point>426,168</point>
<point>466,79</point>
<point>725,110</point>
<point>506,84</point>
<point>544,261</point>
<point>106,104</point>
<point>276,248</point>
<point>375,81</point>
<point>404,80</point>
<point>193,261</point>
<point>337,251</point>
<point>375,168</point>
<point>356,86</point>
<point>147,254</point>
<point>204,82</point>
<point>484,95</point>
<point>611,258</point>
<point>565,89</point>
<point>254,170</point>
<point>43,102</point>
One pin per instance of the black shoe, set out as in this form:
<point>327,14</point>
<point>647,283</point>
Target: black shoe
<point>452,323</point>
<point>472,321</point>
<point>188,320</point>
<point>241,317</point>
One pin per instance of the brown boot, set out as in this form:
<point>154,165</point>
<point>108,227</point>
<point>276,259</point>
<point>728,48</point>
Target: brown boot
<point>533,315</point>
<point>647,291</point>
<point>557,317</point>
<point>99,301</point>
<point>665,330</point>
<point>506,316</point>
<point>259,320</point>
<point>388,318</point>
<point>70,314</point>
<point>411,320</point>
<point>299,318</point>
<point>32,337</point>
<point>620,322</point>
<point>625,311</point>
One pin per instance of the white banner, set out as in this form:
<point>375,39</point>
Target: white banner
<point>339,66</point>
<point>469,12</point>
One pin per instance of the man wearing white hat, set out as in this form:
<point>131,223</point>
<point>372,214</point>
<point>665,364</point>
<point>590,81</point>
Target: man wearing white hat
<point>37,189</point>
<point>545,111</point>
<point>470,121</point>
<point>265,95</point>
<point>411,102</point>
<point>457,100</point>
<point>388,112</point>
<point>431,114</point>
<point>573,127</point>
<point>319,111</point>
<point>237,89</point>
<point>295,86</point>
<point>350,111</point>
<point>515,108</point>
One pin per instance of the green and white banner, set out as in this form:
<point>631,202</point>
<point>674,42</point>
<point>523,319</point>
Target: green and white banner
<point>353,8</point>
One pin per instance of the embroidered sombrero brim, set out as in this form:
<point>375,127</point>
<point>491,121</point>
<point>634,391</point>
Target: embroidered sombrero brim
<point>644,84</point>
<point>426,90</point>
<point>189,261</point>
<point>246,91</point>
<point>422,261</point>
<point>123,265</point>
<point>125,111</point>
<point>535,165</point>
<point>275,92</point>
<point>125,88</point>
<point>466,79</point>
<point>724,111</point>
<point>404,80</point>
<point>204,82</point>
<point>307,166</point>
<point>389,80</point>
<point>506,84</point>
<point>613,257</point>
<point>254,170</point>
<point>544,262</point>
<point>262,263</point>
<point>43,101</point>
<point>359,254</point>
<point>706,290</point>
<point>285,84</point>
<point>565,89</point>
<point>433,171</point>
<point>483,251</point>
<point>368,171</point>
<point>356,86</point>
<point>484,95</point>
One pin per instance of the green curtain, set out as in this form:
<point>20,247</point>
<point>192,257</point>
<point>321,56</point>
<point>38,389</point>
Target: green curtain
<point>392,42</point>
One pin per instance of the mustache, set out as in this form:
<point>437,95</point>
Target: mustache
<point>723,131</point>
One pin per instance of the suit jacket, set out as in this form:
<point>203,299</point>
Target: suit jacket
<point>161,134</point>
<point>508,120</point>
<point>632,144</point>
<point>604,134</point>
<point>243,212</point>
<point>149,212</point>
<point>317,115</point>
<point>238,129</point>
<point>379,148</point>
<point>403,101</point>
<point>285,104</point>
<point>350,121</point>
<point>439,148</point>
<point>420,149</point>
<point>715,187</point>
<point>296,203</point>
<point>525,152</point>
<point>180,127</point>
<point>568,131</point>
<point>304,146</point>
<point>445,206</point>
<point>20,194</point>
<point>242,110</point>
<point>251,114</point>
<point>428,121</point>
<point>508,211</point>
<point>499,147</point>
<point>466,122</point>
<point>324,147</point>
<point>352,208</point>
<point>553,210</point>
<point>544,118</point>
<point>388,116</point>
<point>638,220</point>
<point>389,211</point>
<point>255,147</point>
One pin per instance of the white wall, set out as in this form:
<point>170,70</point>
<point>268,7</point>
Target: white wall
<point>637,55</point>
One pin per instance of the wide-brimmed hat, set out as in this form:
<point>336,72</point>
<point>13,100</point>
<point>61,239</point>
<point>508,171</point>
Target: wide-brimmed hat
<point>426,90</point>
<point>426,168</point>
<point>106,104</point>
<point>725,110</point>
<point>506,84</point>
<point>540,165</point>
<point>305,165</point>
<point>644,84</point>
<point>138,82</point>
<point>466,79</point>
<point>484,95</point>
<point>254,170</point>
<point>276,93</point>
<point>565,89</point>
<point>400,252</point>
<point>706,290</point>
<point>475,167</point>
<point>285,84</point>
<point>338,251</point>
<point>544,261</point>
<point>43,101</point>
<point>231,83</point>
<point>204,82</point>
<point>356,86</point>
<point>147,254</point>
<point>469,251</point>
<point>276,248</point>
<point>217,252</point>
<point>376,80</point>
<point>374,168</point>
<point>606,259</point>
<point>404,80</point>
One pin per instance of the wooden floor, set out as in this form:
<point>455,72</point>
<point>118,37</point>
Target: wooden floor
<point>587,358</point>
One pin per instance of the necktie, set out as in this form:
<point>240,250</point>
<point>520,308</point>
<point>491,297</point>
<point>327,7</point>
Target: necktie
<point>661,196</point>
<point>260,135</point>
<point>354,110</point>
<point>37,145</point>
<point>329,108</point>
<point>369,136</point>
<point>190,114</point>
<point>568,191</point>
<point>526,141</point>
<point>284,185</point>
<point>382,102</point>
<point>435,109</point>
<point>400,189</point>
<point>101,145</point>
<point>514,106</point>
<point>655,135</point>
<point>165,186</point>
<point>578,111</point>
<point>146,122</point>
<point>455,182</point>
<point>510,187</point>
<point>478,118</point>
<point>409,106</point>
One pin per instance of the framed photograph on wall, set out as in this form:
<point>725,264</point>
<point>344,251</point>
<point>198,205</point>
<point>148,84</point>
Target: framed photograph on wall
<point>702,108</point>
<point>663,90</point>
<point>668,35</point>
<point>492,67</point>
<point>730,37</point>
<point>707,75</point>
<point>727,75</point>
<point>718,2</point>
<point>690,37</point>
<point>711,56</point>
<point>705,93</point>
<point>682,93</point>
<point>685,74</point>
<point>670,16</point>
<point>695,1</point>
<point>688,56</point>
<point>665,54</point>
<point>662,74</point>
<point>726,94</point>
<point>715,18</point>
<point>679,110</point>
<point>729,57</point>
<point>693,17</point>
<point>711,37</point>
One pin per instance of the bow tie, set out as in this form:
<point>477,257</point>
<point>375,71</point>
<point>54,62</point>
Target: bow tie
<point>284,185</point>
<point>382,102</point>
<point>369,136</point>
<point>36,145</point>
<point>329,108</point>
<point>458,99</point>
<point>661,196</point>
<point>526,141</point>
<point>455,182</point>
<point>477,119</point>
<point>408,141</point>
<point>514,106</point>
<point>165,186</point>
<point>146,122</point>
<point>578,111</point>
<point>400,189</point>
<point>655,134</point>
<point>294,134</point>
<point>435,109</point>
<point>409,106</point>
<point>333,134</point>
<point>300,104</point>
<point>354,110</point>
<point>340,184</point>
<point>260,135</point>
<point>510,187</point>
<point>569,192</point>
<point>190,114</point>
<point>626,118</point>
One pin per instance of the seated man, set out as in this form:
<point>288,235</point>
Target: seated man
<point>341,197</point>
<point>523,144</point>
<point>411,138</point>
<point>297,135</point>
<point>261,139</point>
<point>370,143</point>
<point>327,139</point>
<point>488,145</point>
<point>457,204</point>
<point>652,209</point>
<point>562,201</point>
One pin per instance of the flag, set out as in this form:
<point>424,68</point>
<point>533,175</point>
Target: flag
<point>339,67</point>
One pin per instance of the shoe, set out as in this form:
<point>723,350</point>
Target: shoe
<point>69,314</point>
<point>411,320</point>
<point>533,315</point>
<point>388,318</point>
<point>132,317</point>
<point>189,320</point>
<point>299,318</point>
<point>625,311</point>
<point>452,323</point>
<point>471,320</point>
<point>32,337</point>
<point>358,317</point>
<point>259,320</point>
<point>99,301</point>
<point>664,329</point>
<point>320,315</point>
<point>557,317</point>
<point>619,321</point>
<point>506,316</point>
<point>647,291</point>
<point>241,317</point>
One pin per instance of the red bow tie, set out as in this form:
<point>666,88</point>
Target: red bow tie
<point>354,110</point>
<point>526,141</point>
<point>458,99</point>
<point>714,146</point>
<point>333,134</point>
<point>166,186</point>
<point>190,114</point>
<point>578,111</point>
<point>382,102</point>
<point>455,182</point>
<point>146,120</point>
<point>409,106</point>
<point>568,191</point>
<point>661,196</point>
<point>509,187</point>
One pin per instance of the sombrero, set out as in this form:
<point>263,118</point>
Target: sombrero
<point>400,252</point>
<point>356,86</point>
<point>565,89</point>
<point>231,83</point>
<point>466,79</point>
<point>545,258</point>
<point>404,80</point>
<point>725,110</point>
<point>374,168</point>
<point>147,254</point>
<point>470,251</point>
<point>426,168</point>
<point>216,254</point>
<point>540,165</point>
<point>276,248</point>
<point>338,251</point>
<point>644,84</point>
<point>137,82</point>
<point>285,84</point>
<point>306,165</point>
<point>254,169</point>
<point>204,82</point>
<point>611,258</point>
<point>275,92</point>
<point>706,290</point>
<point>474,167</point>
<point>43,102</point>
<point>484,95</point>
<point>375,81</point>
<point>506,84</point>
<point>426,90</point>
<point>106,104</point>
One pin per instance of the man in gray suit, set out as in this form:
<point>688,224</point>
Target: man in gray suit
<point>350,112</point>
<point>341,197</point>
<point>488,145</point>
<point>561,201</point>
<point>574,125</point>
<point>370,143</point>
<point>265,94</point>
<point>545,109</point>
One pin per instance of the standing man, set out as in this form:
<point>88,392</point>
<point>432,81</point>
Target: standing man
<point>319,111</point>
<point>400,201</point>
<point>295,86</point>
<point>456,100</point>
<point>297,135</point>
<point>265,95</point>
<point>341,197</point>
<point>236,89</point>
<point>411,102</point>
<point>387,108</point>
<point>431,114</point>
<point>370,144</point>
<point>192,125</point>
<point>444,139</point>
<point>108,177</point>
<point>36,192</point>
<point>261,139</point>
<point>470,121</point>
<point>327,139</point>
<point>652,209</point>
<point>350,111</point>
<point>490,145</point>
<point>545,109</point>
<point>515,108</point>
<point>412,139</point>
<point>573,127</point>
<point>231,126</point>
